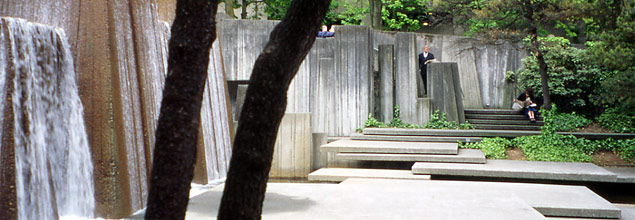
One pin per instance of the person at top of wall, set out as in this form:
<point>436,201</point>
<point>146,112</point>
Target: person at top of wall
<point>529,105</point>
<point>325,32</point>
<point>425,58</point>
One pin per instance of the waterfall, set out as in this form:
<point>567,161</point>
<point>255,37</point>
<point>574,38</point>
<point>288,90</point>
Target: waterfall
<point>53,164</point>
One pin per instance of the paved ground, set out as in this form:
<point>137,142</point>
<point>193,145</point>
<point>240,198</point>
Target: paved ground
<point>410,199</point>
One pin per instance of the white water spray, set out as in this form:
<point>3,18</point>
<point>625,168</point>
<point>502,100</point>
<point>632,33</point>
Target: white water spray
<point>53,163</point>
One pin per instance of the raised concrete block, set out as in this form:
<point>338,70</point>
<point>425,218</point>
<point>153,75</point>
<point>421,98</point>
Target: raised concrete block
<point>292,151</point>
<point>464,156</point>
<point>445,90</point>
<point>520,169</point>
<point>347,145</point>
<point>550,200</point>
<point>442,132</point>
<point>414,138</point>
<point>370,202</point>
<point>341,174</point>
<point>624,174</point>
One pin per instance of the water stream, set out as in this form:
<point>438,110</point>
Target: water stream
<point>54,172</point>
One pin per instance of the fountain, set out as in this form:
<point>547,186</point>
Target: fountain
<point>53,166</point>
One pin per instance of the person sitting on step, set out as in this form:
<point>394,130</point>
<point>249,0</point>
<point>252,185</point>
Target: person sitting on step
<point>529,106</point>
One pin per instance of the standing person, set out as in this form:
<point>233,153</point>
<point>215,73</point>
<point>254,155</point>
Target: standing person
<point>527,97</point>
<point>424,59</point>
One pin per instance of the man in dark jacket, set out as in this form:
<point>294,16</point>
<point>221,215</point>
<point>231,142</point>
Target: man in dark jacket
<point>424,59</point>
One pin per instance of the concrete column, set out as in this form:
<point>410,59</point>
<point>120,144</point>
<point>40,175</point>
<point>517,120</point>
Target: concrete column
<point>445,90</point>
<point>386,85</point>
<point>292,151</point>
<point>406,76</point>
<point>319,159</point>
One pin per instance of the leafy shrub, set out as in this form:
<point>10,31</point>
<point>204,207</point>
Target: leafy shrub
<point>439,121</point>
<point>617,91</point>
<point>493,148</point>
<point>569,121</point>
<point>372,122</point>
<point>398,123</point>
<point>554,147</point>
<point>617,122</point>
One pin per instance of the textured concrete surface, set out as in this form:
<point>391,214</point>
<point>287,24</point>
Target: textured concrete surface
<point>445,90</point>
<point>464,156</point>
<point>550,200</point>
<point>341,174</point>
<point>520,169</point>
<point>375,201</point>
<point>292,151</point>
<point>628,213</point>
<point>624,174</point>
<point>483,133</point>
<point>347,145</point>
<point>413,138</point>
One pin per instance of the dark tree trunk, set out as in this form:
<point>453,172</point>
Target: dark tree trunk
<point>375,14</point>
<point>264,106</point>
<point>193,31</point>
<point>243,14</point>
<point>544,78</point>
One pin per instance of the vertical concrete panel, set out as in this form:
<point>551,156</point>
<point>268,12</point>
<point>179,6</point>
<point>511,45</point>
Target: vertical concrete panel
<point>459,50</point>
<point>406,77</point>
<point>386,86</point>
<point>444,89</point>
<point>318,158</point>
<point>292,151</point>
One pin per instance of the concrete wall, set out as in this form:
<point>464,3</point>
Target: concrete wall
<point>336,84</point>
<point>120,54</point>
<point>292,154</point>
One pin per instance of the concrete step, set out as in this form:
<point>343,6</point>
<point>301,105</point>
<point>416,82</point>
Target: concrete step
<point>341,174</point>
<point>471,117</point>
<point>506,122</point>
<point>352,146</point>
<point>360,137</point>
<point>493,111</point>
<point>516,169</point>
<point>507,127</point>
<point>550,200</point>
<point>464,156</point>
<point>443,132</point>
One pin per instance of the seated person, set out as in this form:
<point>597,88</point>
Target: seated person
<point>529,107</point>
<point>325,32</point>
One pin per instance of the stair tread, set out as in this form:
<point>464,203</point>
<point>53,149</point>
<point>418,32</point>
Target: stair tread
<point>348,145</point>
<point>463,156</point>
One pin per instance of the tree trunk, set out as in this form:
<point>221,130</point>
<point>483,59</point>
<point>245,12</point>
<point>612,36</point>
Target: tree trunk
<point>375,14</point>
<point>243,14</point>
<point>193,31</point>
<point>264,106</point>
<point>544,78</point>
<point>229,8</point>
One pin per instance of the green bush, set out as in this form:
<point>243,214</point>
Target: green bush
<point>617,122</point>
<point>398,123</point>
<point>569,121</point>
<point>439,121</point>
<point>493,148</point>
<point>554,147</point>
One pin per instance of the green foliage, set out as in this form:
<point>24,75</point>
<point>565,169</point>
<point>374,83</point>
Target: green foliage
<point>554,147</point>
<point>569,121</point>
<point>277,9</point>
<point>398,123</point>
<point>571,79</point>
<point>615,49</point>
<point>617,91</point>
<point>404,14</point>
<point>353,14</point>
<point>372,122</point>
<point>439,121</point>
<point>493,148</point>
<point>617,122</point>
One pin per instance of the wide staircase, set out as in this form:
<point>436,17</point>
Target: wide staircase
<point>501,119</point>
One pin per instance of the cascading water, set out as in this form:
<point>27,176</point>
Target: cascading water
<point>53,163</point>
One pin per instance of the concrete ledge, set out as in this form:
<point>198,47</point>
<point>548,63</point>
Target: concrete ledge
<point>520,169</point>
<point>484,133</point>
<point>464,156</point>
<point>624,174</point>
<point>549,200</point>
<point>414,138</point>
<point>348,145</point>
<point>341,174</point>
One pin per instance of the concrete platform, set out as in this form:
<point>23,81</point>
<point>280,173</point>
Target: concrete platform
<point>372,201</point>
<point>341,174</point>
<point>549,200</point>
<point>624,174</point>
<point>362,137</point>
<point>485,133</point>
<point>347,145</point>
<point>518,169</point>
<point>464,156</point>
